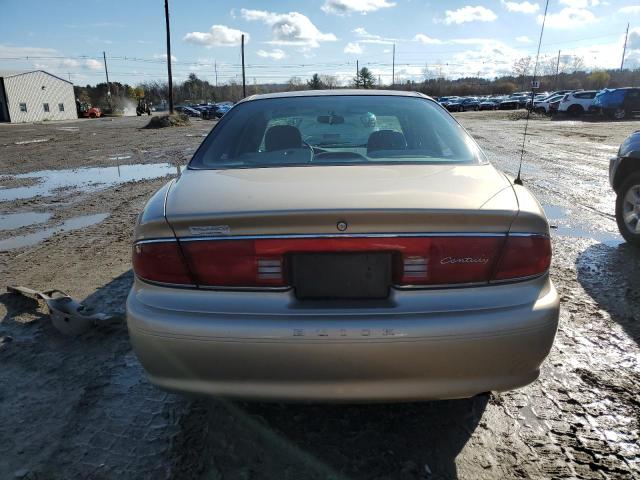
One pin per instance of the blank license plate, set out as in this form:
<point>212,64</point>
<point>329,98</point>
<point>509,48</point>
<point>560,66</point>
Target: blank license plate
<point>341,275</point>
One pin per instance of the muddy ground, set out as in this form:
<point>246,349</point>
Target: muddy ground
<point>82,408</point>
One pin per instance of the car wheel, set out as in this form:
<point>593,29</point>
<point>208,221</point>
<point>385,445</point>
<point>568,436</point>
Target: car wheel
<point>477,108</point>
<point>575,110</point>
<point>619,113</point>
<point>92,115</point>
<point>628,209</point>
<point>461,109</point>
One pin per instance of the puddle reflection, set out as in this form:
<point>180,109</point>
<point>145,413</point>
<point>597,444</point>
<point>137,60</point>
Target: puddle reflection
<point>74,223</point>
<point>12,221</point>
<point>84,179</point>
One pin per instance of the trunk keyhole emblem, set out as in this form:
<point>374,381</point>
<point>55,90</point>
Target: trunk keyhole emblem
<point>342,226</point>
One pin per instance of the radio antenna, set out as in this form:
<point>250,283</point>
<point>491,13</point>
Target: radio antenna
<point>518,180</point>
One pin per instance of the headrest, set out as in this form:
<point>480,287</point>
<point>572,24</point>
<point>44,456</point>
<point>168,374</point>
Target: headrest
<point>386,140</point>
<point>282,137</point>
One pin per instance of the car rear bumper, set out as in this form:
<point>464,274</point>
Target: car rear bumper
<point>268,346</point>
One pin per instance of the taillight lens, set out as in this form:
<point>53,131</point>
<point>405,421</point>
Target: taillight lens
<point>437,260</point>
<point>417,260</point>
<point>524,256</point>
<point>235,263</point>
<point>160,262</point>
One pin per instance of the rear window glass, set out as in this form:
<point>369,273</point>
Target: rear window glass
<point>335,130</point>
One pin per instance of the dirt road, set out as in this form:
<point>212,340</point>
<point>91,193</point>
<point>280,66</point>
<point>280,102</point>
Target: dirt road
<point>82,408</point>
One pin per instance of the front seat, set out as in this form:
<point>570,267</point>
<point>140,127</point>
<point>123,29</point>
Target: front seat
<point>282,137</point>
<point>386,140</point>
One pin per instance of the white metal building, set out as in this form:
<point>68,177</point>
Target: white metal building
<point>35,96</point>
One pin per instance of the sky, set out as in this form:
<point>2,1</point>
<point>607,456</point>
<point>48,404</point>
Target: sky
<point>286,38</point>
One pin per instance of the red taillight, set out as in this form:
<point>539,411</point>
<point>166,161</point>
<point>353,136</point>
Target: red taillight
<point>435,260</point>
<point>234,263</point>
<point>524,256</point>
<point>160,262</point>
<point>417,260</point>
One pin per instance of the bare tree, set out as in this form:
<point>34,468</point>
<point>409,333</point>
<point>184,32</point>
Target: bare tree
<point>329,81</point>
<point>522,67</point>
<point>295,83</point>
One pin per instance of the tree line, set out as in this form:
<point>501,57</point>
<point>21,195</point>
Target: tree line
<point>568,73</point>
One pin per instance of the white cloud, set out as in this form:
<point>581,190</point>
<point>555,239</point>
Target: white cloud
<point>523,39</point>
<point>633,43</point>
<point>521,7</point>
<point>291,28</point>
<point>568,17</point>
<point>469,14</point>
<point>470,41</point>
<point>630,10</point>
<point>217,36</point>
<point>275,54</point>
<point>426,40</point>
<point>366,37</point>
<point>352,47</point>
<point>345,7</point>
<point>580,3</point>
<point>69,62</point>
<point>93,64</point>
<point>163,56</point>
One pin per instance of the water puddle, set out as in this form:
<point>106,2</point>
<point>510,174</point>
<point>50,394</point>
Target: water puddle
<point>84,179</point>
<point>11,221</point>
<point>607,238</point>
<point>74,223</point>
<point>559,218</point>
<point>554,212</point>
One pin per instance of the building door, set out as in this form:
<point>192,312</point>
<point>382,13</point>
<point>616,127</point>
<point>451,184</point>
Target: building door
<point>4,111</point>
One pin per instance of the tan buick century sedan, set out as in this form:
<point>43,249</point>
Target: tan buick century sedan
<point>341,246</point>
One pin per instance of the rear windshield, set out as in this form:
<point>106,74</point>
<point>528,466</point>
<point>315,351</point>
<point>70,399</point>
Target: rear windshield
<point>335,130</point>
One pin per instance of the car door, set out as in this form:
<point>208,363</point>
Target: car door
<point>632,102</point>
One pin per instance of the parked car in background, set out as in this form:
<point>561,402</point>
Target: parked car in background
<point>280,265</point>
<point>444,101</point>
<point>624,176</point>
<point>489,104</point>
<point>470,103</point>
<point>222,108</point>
<point>544,106</point>
<point>618,103</point>
<point>192,112</point>
<point>554,105</point>
<point>578,102</point>
<point>454,104</point>
<point>513,102</point>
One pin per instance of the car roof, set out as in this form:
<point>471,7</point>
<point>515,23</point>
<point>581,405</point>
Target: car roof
<point>336,92</point>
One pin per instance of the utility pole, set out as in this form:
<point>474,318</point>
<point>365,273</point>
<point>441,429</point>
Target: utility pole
<point>624,49</point>
<point>393,67</point>
<point>215,67</point>
<point>357,74</point>
<point>244,84</point>
<point>166,17</point>
<point>555,82</point>
<point>106,72</point>
<point>379,83</point>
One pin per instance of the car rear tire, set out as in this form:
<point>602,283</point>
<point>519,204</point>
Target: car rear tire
<point>619,114</point>
<point>92,115</point>
<point>628,209</point>
<point>575,110</point>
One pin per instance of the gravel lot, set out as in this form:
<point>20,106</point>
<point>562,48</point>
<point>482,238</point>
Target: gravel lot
<point>82,408</point>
